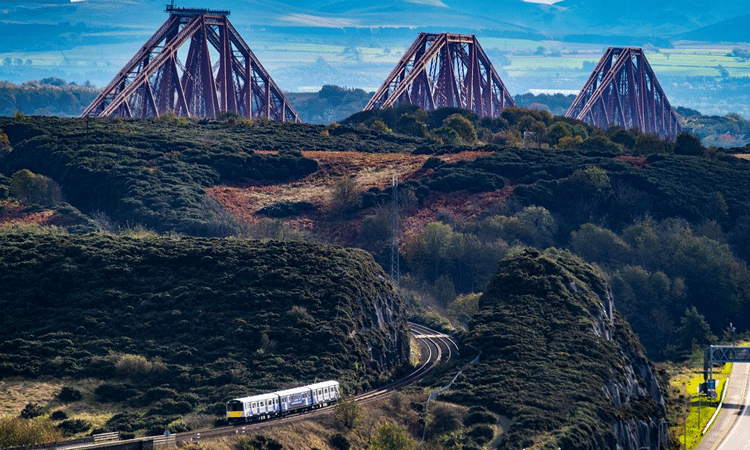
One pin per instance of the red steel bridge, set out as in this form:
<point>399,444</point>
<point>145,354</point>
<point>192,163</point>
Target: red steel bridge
<point>624,91</point>
<point>166,75</point>
<point>444,70</point>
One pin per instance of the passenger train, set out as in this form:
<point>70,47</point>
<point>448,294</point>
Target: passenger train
<point>281,403</point>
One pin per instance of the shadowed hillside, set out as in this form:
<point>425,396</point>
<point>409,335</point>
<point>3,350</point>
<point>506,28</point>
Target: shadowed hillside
<point>198,320</point>
<point>559,361</point>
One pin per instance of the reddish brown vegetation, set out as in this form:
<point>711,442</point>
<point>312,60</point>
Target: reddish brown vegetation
<point>637,161</point>
<point>369,170</point>
<point>13,213</point>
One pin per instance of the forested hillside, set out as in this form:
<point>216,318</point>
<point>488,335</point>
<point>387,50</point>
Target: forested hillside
<point>46,97</point>
<point>667,223</point>
<point>174,325</point>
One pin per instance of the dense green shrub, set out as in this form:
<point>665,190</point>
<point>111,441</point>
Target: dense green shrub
<point>258,442</point>
<point>443,420</point>
<point>481,434</point>
<point>479,415</point>
<point>58,415</point>
<point>31,410</point>
<point>287,209</point>
<point>157,179</point>
<point>69,394</point>
<point>339,442</point>
<point>114,392</point>
<point>72,427</point>
<point>34,189</point>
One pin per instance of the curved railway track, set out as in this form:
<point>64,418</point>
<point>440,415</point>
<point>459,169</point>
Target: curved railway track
<point>435,348</point>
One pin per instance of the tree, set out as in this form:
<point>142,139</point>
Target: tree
<point>448,136</point>
<point>346,195</point>
<point>557,131</point>
<point>425,252</point>
<point>390,436</point>
<point>599,143</point>
<point>4,144</point>
<point>347,412</point>
<point>34,189</point>
<point>409,124</point>
<point>646,144</point>
<point>444,420</point>
<point>599,245</point>
<point>463,127</point>
<point>694,329</point>
<point>688,144</point>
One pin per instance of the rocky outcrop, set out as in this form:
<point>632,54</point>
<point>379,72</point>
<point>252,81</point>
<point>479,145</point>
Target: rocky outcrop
<point>560,362</point>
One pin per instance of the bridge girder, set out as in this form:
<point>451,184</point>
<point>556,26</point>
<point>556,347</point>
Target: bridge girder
<point>155,81</point>
<point>444,70</point>
<point>623,90</point>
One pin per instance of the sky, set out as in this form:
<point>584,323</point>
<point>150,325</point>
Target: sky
<point>700,50</point>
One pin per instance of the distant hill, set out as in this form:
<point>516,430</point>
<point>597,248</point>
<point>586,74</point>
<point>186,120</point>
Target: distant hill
<point>46,97</point>
<point>559,361</point>
<point>330,104</point>
<point>730,30</point>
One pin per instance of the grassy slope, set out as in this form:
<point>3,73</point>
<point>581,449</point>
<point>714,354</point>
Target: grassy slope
<point>210,318</point>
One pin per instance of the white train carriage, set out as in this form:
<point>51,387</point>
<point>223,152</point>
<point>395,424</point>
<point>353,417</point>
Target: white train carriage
<point>293,400</point>
<point>324,393</point>
<point>256,407</point>
<point>281,403</point>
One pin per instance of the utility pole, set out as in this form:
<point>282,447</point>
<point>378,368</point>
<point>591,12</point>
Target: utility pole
<point>395,269</point>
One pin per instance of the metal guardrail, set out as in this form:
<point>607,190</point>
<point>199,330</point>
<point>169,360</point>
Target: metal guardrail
<point>59,444</point>
<point>165,441</point>
<point>106,437</point>
<point>80,442</point>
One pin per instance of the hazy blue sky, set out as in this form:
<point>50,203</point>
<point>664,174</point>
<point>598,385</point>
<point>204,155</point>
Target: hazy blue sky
<point>539,44</point>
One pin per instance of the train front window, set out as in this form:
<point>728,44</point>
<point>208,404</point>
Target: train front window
<point>234,406</point>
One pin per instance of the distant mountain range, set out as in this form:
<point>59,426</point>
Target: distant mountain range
<point>96,21</point>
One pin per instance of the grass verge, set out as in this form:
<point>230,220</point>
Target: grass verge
<point>701,408</point>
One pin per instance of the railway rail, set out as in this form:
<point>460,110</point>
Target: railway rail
<point>435,348</point>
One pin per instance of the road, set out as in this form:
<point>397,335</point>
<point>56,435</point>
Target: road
<point>731,431</point>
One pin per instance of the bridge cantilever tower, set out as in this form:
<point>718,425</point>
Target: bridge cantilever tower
<point>444,70</point>
<point>156,80</point>
<point>623,91</point>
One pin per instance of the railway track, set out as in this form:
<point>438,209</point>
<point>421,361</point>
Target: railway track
<point>435,347</point>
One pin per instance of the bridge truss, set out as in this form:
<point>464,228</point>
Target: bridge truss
<point>166,75</point>
<point>444,70</point>
<point>623,90</point>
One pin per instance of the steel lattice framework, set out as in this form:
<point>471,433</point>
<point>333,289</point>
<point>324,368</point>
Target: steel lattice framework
<point>623,91</point>
<point>444,70</point>
<point>156,81</point>
<point>723,354</point>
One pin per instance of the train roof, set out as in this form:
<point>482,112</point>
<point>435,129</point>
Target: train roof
<point>324,384</point>
<point>293,391</point>
<point>256,398</point>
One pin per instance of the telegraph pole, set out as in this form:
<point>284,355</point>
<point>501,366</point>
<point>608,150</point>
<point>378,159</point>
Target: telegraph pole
<point>395,269</point>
